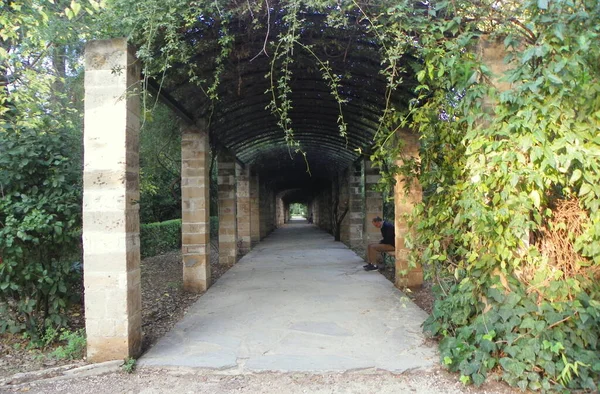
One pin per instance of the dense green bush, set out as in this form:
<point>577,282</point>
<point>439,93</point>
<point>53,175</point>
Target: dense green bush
<point>161,237</point>
<point>160,167</point>
<point>507,174</point>
<point>39,229</point>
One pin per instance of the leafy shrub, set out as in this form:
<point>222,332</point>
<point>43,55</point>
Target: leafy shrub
<point>39,228</point>
<point>73,349</point>
<point>518,291</point>
<point>158,238</point>
<point>162,237</point>
<point>129,365</point>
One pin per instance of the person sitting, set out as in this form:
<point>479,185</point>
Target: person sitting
<point>387,244</point>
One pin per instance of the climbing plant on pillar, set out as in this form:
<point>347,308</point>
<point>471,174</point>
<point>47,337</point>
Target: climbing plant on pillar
<point>509,223</point>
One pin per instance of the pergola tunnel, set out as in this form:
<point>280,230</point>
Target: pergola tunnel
<point>254,194</point>
<point>261,173</point>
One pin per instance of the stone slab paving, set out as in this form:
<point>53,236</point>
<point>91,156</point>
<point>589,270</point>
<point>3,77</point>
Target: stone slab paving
<point>298,302</point>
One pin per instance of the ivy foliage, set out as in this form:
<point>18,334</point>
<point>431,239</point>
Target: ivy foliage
<point>502,153</point>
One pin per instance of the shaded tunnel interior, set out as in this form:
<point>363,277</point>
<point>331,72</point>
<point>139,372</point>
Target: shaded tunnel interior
<point>241,122</point>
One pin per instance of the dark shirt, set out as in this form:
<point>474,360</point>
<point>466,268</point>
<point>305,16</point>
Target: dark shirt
<point>389,234</point>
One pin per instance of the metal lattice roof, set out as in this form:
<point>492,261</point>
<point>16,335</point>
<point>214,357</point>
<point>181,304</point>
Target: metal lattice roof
<point>242,123</point>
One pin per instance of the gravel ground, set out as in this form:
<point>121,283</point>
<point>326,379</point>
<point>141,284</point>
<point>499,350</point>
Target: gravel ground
<point>151,381</point>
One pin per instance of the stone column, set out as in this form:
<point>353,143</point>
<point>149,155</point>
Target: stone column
<point>325,209</point>
<point>356,215</point>
<point>111,225</point>
<point>264,207</point>
<point>195,209</point>
<point>405,201</point>
<point>281,214</point>
<point>243,208</point>
<point>227,209</point>
<point>344,203</point>
<point>254,209</point>
<point>273,221</point>
<point>373,203</point>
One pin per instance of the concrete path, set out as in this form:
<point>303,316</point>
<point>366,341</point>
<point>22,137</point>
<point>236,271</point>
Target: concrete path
<point>298,302</point>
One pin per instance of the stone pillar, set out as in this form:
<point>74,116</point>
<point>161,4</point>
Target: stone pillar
<point>325,209</point>
<point>243,208</point>
<point>227,209</point>
<point>264,207</point>
<point>111,225</point>
<point>195,209</point>
<point>373,203</point>
<point>281,214</point>
<point>404,203</point>
<point>492,53</point>
<point>344,202</point>
<point>356,215</point>
<point>267,210</point>
<point>254,209</point>
<point>314,208</point>
<point>272,217</point>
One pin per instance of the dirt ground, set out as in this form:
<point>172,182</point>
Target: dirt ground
<point>174,381</point>
<point>163,301</point>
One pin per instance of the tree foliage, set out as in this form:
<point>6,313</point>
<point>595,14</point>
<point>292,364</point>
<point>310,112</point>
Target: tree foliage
<point>40,164</point>
<point>160,167</point>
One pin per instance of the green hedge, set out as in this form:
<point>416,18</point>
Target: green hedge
<point>161,237</point>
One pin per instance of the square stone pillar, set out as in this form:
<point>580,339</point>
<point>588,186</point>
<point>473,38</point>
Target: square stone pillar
<point>273,211</point>
<point>254,209</point>
<point>404,203</point>
<point>344,202</point>
<point>195,209</point>
<point>227,209</point>
<point>264,210</point>
<point>243,208</point>
<point>111,225</point>
<point>373,203</point>
<point>356,215</point>
<point>314,209</point>
<point>267,210</point>
<point>281,213</point>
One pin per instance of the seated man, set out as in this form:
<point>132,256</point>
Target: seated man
<point>387,244</point>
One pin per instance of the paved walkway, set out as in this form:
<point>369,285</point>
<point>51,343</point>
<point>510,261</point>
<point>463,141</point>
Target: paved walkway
<point>298,302</point>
